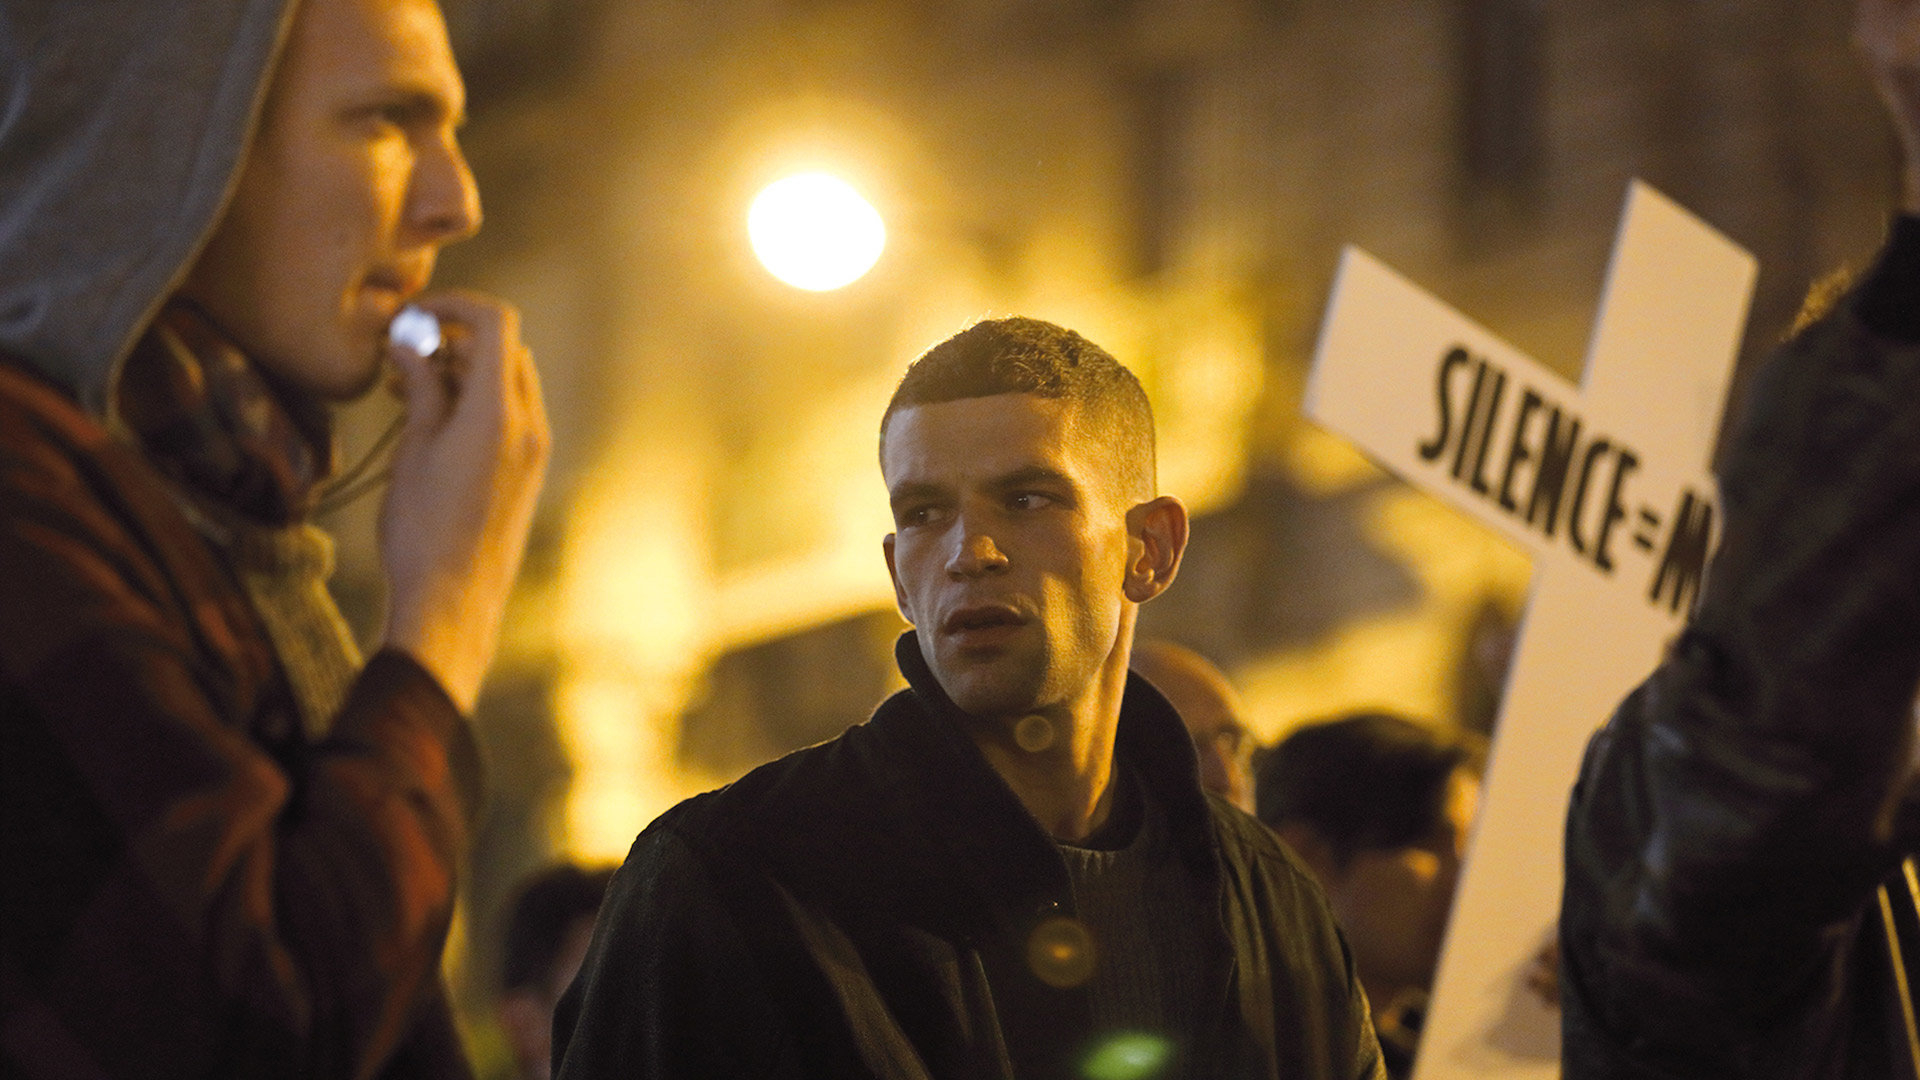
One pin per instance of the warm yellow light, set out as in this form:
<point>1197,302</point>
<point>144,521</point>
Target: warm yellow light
<point>813,231</point>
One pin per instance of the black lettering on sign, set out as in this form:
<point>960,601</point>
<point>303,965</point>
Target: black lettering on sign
<point>1455,359</point>
<point>1478,481</point>
<point>1623,464</point>
<point>1551,478</point>
<point>1644,537</point>
<point>1569,465</point>
<point>1472,425</point>
<point>1519,450</point>
<point>1685,560</point>
<point>1580,480</point>
<point>1595,450</point>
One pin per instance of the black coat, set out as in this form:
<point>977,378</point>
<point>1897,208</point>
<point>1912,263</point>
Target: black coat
<point>1739,897</point>
<point>862,909</point>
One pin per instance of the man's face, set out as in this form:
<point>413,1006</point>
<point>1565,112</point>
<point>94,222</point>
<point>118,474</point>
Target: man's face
<point>1226,755</point>
<point>1011,548</point>
<point>526,1013</point>
<point>1211,710</point>
<point>354,182</point>
<point>1394,902</point>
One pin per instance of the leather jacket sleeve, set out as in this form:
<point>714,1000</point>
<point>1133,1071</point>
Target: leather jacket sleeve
<point>1733,817</point>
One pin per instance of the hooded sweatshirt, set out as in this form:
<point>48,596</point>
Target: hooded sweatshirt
<point>123,126</point>
<point>202,873</point>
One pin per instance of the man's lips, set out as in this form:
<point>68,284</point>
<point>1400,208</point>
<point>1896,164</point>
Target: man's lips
<point>982,619</point>
<point>403,284</point>
<point>407,274</point>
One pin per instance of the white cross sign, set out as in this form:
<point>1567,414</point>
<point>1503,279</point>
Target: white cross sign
<point>1607,485</point>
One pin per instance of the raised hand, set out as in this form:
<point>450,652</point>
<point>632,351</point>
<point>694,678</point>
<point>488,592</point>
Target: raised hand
<point>466,475</point>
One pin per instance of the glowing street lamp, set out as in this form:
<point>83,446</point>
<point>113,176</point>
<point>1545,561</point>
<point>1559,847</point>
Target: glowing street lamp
<point>814,232</point>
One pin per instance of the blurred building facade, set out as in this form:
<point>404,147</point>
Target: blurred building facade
<point>1174,178</point>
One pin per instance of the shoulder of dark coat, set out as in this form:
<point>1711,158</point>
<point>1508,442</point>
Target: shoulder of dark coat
<point>1244,840</point>
<point>837,788</point>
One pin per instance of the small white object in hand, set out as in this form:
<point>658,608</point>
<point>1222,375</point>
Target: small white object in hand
<point>417,329</point>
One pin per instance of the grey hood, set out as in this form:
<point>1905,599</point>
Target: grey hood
<point>123,125</point>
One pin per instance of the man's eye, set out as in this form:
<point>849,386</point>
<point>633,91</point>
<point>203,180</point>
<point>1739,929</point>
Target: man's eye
<point>392,114</point>
<point>1029,500</point>
<point>918,515</point>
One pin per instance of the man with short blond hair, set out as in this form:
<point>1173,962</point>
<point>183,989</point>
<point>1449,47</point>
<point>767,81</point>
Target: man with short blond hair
<point>231,846</point>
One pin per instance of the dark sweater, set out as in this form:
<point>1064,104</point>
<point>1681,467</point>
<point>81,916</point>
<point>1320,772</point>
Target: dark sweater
<point>1147,917</point>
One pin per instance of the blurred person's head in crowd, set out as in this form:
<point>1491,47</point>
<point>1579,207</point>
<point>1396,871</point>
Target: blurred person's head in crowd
<point>1378,807</point>
<point>1212,711</point>
<point>549,926</point>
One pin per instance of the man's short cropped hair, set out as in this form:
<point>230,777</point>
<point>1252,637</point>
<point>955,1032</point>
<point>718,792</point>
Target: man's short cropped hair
<point>1020,355</point>
<point>1364,782</point>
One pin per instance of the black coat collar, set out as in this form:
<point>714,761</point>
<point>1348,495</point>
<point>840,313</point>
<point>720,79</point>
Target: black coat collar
<point>964,804</point>
<point>899,834</point>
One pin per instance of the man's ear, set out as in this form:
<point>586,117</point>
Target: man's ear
<point>1158,531</point>
<point>899,594</point>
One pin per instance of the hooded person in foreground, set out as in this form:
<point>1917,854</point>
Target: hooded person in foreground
<point>1741,888</point>
<point>1011,869</point>
<point>230,845</point>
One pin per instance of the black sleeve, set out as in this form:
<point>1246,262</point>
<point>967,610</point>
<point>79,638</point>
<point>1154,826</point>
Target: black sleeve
<point>670,987</point>
<point>1734,816</point>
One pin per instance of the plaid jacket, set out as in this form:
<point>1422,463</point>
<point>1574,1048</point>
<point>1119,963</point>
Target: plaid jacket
<point>189,886</point>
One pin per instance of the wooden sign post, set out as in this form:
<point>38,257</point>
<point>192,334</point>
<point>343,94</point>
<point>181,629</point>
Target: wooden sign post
<point>1608,486</point>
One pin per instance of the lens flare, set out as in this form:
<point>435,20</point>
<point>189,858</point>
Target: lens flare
<point>814,232</point>
<point>1060,952</point>
<point>1033,734</point>
<point>1130,1055</point>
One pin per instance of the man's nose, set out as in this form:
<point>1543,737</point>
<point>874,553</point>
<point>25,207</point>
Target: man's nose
<point>445,200</point>
<point>975,556</point>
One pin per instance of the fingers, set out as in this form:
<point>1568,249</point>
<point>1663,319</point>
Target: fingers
<point>531,406</point>
<point>479,330</point>
<point>465,481</point>
<point>482,360</point>
<point>423,393</point>
<point>494,384</point>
